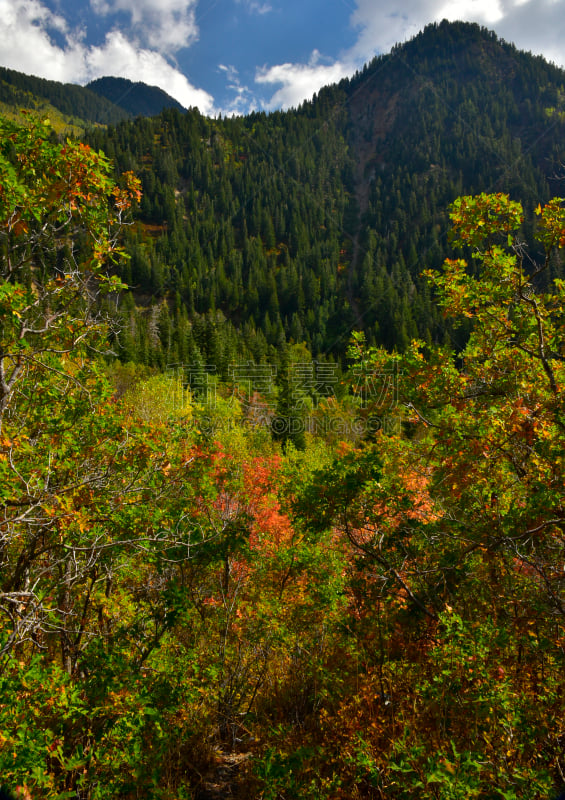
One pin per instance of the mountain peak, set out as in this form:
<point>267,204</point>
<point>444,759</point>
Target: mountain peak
<point>138,99</point>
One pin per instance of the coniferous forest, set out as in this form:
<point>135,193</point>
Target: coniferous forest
<point>282,437</point>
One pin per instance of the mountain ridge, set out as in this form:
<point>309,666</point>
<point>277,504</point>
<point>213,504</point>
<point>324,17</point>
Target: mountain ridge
<point>137,98</point>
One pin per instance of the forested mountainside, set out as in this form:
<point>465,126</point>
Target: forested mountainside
<point>300,225</point>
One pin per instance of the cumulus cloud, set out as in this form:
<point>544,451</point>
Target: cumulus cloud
<point>536,25</point>
<point>119,56</point>
<point>299,81</point>
<point>26,45</point>
<point>488,11</point>
<point>165,25</point>
<point>380,28</point>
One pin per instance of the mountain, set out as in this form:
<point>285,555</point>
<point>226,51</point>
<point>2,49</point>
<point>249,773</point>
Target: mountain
<point>454,111</point>
<point>300,226</point>
<point>69,106</point>
<point>454,88</point>
<point>137,99</point>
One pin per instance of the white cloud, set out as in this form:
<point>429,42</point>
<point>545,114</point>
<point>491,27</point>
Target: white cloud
<point>536,25</point>
<point>380,28</point>
<point>25,45</point>
<point>259,8</point>
<point>300,81</point>
<point>255,7</point>
<point>119,56</point>
<point>242,101</point>
<point>488,11</point>
<point>166,25</point>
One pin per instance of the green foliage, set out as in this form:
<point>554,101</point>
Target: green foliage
<point>60,215</point>
<point>466,517</point>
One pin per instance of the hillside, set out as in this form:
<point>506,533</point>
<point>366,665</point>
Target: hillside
<point>455,111</point>
<point>300,226</point>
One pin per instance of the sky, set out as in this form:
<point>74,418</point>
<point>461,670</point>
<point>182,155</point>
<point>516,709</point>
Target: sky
<point>237,56</point>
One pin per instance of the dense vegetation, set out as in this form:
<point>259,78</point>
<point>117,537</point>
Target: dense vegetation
<point>262,553</point>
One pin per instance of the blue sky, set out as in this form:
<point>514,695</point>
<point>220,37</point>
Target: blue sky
<point>234,56</point>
